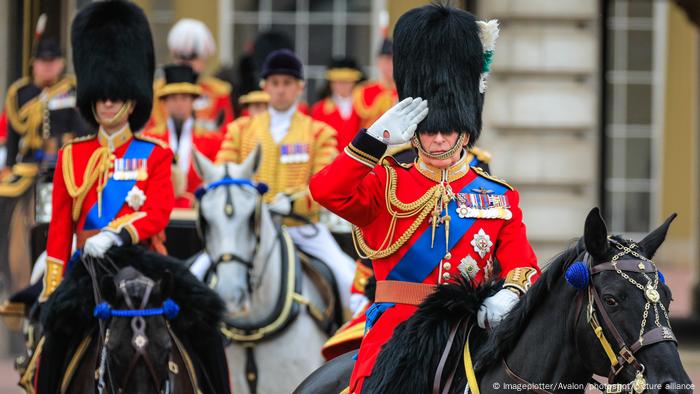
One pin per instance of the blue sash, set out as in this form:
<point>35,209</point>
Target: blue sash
<point>114,193</point>
<point>420,259</point>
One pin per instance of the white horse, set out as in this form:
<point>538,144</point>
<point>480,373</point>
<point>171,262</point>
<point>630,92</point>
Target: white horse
<point>252,264</point>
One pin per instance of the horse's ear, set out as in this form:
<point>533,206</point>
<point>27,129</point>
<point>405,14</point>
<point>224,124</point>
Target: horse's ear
<point>654,239</point>
<point>204,167</point>
<point>595,235</point>
<point>166,284</point>
<point>252,162</point>
<point>108,288</point>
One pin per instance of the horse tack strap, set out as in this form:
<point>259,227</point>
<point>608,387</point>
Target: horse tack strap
<point>625,265</point>
<point>656,335</point>
<point>516,378</point>
<point>443,359</point>
<point>400,292</point>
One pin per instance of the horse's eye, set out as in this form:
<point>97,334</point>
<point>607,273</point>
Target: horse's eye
<point>610,300</point>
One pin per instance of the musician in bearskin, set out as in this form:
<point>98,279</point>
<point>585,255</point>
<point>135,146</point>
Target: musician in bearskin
<point>112,188</point>
<point>437,220</point>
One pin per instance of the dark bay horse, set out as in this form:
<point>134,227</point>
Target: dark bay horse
<point>601,293</point>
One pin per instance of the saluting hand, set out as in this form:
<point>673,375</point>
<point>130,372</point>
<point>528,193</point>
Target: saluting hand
<point>399,123</point>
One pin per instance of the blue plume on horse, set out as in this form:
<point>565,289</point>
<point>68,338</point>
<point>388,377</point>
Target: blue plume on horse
<point>577,275</point>
<point>662,278</point>
<point>170,309</point>
<point>102,311</point>
<point>262,187</point>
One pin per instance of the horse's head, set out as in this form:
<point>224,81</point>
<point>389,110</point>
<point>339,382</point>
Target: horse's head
<point>138,347</point>
<point>230,207</point>
<point>623,293</point>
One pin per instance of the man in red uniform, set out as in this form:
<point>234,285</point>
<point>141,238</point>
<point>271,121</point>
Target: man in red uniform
<point>372,99</point>
<point>111,189</point>
<point>181,133</point>
<point>336,109</point>
<point>191,43</point>
<point>429,223</point>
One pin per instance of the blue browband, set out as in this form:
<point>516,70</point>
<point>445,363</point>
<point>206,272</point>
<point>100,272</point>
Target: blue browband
<point>104,311</point>
<point>259,186</point>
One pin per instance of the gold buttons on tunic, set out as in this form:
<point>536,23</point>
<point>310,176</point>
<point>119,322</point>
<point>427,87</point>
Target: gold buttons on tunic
<point>446,276</point>
<point>446,266</point>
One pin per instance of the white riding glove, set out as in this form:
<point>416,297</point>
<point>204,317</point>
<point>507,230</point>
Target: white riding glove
<point>98,244</point>
<point>494,308</point>
<point>399,123</point>
<point>281,204</point>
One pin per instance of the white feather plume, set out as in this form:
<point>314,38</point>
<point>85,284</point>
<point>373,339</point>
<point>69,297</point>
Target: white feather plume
<point>488,33</point>
<point>40,25</point>
<point>190,36</point>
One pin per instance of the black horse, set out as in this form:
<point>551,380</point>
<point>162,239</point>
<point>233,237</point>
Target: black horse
<point>157,331</point>
<point>548,342</point>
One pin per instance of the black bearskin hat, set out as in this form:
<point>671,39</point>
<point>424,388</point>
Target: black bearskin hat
<point>282,61</point>
<point>438,56</point>
<point>113,58</point>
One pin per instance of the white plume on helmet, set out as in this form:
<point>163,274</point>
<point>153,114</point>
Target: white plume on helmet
<point>191,38</point>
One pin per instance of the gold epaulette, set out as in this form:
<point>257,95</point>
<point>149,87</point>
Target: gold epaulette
<point>480,154</point>
<point>486,175</point>
<point>84,138</point>
<point>152,140</point>
<point>158,129</point>
<point>218,86</point>
<point>390,161</point>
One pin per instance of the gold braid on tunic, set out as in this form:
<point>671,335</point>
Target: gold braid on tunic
<point>97,170</point>
<point>434,202</point>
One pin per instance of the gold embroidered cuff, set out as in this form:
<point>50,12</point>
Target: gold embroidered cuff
<point>52,277</point>
<point>520,279</point>
<point>123,226</point>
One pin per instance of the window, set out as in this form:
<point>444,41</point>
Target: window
<point>319,29</point>
<point>633,84</point>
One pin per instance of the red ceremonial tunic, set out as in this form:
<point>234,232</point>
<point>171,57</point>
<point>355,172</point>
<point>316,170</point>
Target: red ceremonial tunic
<point>355,188</point>
<point>327,112</point>
<point>127,155</point>
<point>207,142</point>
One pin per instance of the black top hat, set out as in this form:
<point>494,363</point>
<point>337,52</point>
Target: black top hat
<point>113,58</point>
<point>47,49</point>
<point>282,61</point>
<point>438,56</point>
<point>179,79</point>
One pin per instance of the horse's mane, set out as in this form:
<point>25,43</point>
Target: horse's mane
<point>503,338</point>
<point>417,343</point>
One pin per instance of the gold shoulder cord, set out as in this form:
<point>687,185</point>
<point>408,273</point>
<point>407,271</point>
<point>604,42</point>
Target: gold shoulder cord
<point>97,170</point>
<point>420,208</point>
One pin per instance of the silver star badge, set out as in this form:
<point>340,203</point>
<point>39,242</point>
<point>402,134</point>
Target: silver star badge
<point>481,243</point>
<point>468,267</point>
<point>135,198</point>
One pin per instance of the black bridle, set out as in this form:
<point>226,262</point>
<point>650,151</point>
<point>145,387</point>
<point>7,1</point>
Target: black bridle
<point>625,356</point>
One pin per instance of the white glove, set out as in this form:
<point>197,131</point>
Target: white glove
<point>98,244</point>
<point>496,307</point>
<point>281,204</point>
<point>398,124</point>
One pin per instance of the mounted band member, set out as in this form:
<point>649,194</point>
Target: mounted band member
<point>181,131</point>
<point>437,220</point>
<point>112,189</point>
<point>294,147</point>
